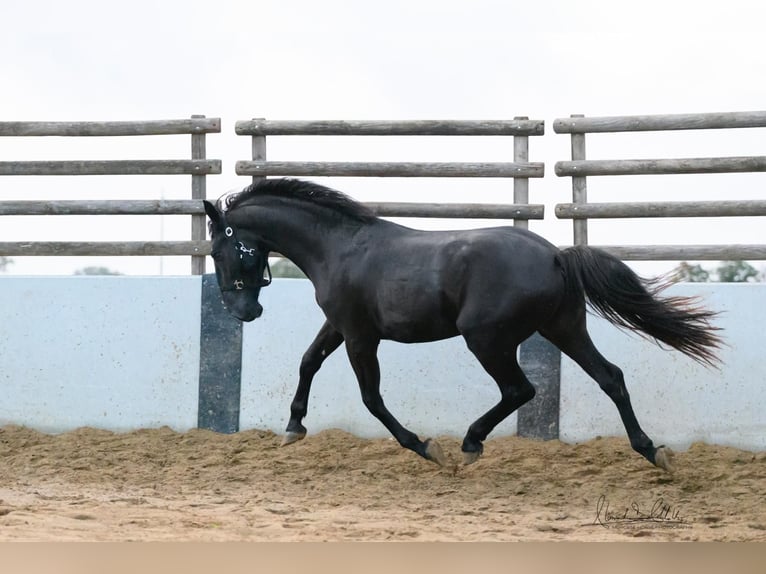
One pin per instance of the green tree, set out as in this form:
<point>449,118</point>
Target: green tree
<point>691,273</point>
<point>726,272</point>
<point>96,270</point>
<point>737,272</point>
<point>286,268</point>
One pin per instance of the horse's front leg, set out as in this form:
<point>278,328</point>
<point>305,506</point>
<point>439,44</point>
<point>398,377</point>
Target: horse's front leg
<point>326,341</point>
<point>364,360</point>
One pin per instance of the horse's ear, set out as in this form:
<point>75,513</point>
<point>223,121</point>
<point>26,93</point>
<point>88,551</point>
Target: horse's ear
<point>212,212</point>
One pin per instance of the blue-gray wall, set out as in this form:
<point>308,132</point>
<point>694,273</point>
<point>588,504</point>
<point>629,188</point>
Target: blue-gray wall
<point>121,353</point>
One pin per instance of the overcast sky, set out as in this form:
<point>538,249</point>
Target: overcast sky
<point>331,59</point>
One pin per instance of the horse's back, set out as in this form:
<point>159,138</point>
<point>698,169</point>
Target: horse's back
<point>489,259</point>
<point>411,285</point>
<point>507,254</point>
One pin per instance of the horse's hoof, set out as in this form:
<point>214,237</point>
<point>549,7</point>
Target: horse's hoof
<point>291,437</point>
<point>435,453</point>
<point>471,457</point>
<point>664,458</point>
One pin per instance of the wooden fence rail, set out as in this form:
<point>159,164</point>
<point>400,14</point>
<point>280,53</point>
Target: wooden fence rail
<point>103,207</point>
<point>112,167</point>
<point>583,168</point>
<point>520,169</point>
<point>388,169</point>
<point>579,169</point>
<point>669,122</point>
<point>198,167</point>
<point>194,207</point>
<point>515,127</point>
<point>457,210</point>
<point>105,248</point>
<point>743,208</point>
<point>194,125</point>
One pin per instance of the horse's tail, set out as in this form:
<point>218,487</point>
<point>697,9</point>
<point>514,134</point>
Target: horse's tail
<point>616,293</point>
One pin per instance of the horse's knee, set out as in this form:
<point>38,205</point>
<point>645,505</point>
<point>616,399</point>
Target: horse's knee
<point>309,366</point>
<point>316,354</point>
<point>311,362</point>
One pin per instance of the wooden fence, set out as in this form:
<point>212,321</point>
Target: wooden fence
<point>198,167</point>
<point>520,169</point>
<point>580,168</point>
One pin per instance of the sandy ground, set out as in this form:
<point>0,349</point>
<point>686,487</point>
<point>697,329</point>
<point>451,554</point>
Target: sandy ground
<point>160,485</point>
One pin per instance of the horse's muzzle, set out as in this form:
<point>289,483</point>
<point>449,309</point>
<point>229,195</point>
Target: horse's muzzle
<point>251,314</point>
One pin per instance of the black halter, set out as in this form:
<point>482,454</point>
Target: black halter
<point>244,251</point>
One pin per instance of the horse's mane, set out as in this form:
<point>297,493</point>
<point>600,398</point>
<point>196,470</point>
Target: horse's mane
<point>301,191</point>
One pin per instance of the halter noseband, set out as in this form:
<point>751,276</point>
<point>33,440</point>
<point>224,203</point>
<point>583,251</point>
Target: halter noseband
<point>242,249</point>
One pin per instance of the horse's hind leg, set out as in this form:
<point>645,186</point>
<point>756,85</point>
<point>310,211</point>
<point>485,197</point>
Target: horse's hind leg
<point>498,357</point>
<point>326,341</point>
<point>363,357</point>
<point>573,339</point>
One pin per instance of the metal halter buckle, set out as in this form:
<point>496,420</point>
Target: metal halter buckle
<point>250,251</point>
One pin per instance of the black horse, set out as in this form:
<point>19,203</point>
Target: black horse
<point>495,287</point>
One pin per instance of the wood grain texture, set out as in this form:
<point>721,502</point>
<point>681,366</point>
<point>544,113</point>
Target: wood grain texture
<point>704,121</point>
<point>521,184</point>
<point>112,167</point>
<point>583,168</point>
<point>458,210</point>
<point>733,252</point>
<point>103,207</point>
<point>197,125</point>
<point>103,248</point>
<point>729,208</point>
<point>263,127</point>
<point>388,169</point>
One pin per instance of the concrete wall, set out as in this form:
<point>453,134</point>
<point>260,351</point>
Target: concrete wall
<point>676,400</point>
<point>124,352</point>
<point>109,352</point>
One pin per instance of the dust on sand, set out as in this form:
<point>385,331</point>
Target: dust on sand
<point>161,485</point>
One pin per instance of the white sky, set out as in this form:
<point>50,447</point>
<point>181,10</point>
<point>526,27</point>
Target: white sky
<point>332,59</point>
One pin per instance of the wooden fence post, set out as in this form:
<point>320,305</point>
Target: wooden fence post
<point>521,184</point>
<point>259,149</point>
<point>579,188</point>
<point>199,191</point>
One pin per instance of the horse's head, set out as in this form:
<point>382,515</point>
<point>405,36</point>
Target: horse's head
<point>241,265</point>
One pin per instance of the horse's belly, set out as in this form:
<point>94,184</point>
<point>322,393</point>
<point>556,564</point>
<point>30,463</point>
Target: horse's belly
<point>412,327</point>
<point>419,336</point>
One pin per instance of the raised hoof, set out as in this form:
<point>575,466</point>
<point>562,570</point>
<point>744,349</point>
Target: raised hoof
<point>471,457</point>
<point>435,453</point>
<point>291,437</point>
<point>664,458</point>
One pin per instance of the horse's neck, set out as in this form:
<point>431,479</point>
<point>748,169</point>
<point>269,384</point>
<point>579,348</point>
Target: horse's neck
<point>311,240</point>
